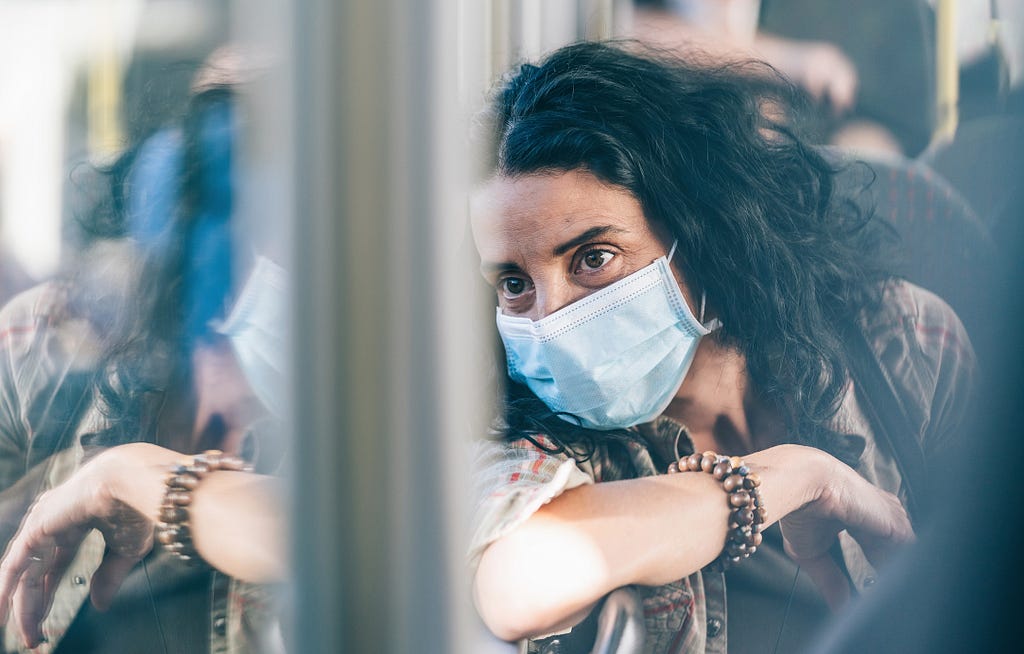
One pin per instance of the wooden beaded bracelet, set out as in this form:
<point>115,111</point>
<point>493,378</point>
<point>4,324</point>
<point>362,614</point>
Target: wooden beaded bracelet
<point>173,529</point>
<point>748,514</point>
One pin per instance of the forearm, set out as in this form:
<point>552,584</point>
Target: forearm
<point>665,30</point>
<point>788,56</point>
<point>237,522</point>
<point>547,573</point>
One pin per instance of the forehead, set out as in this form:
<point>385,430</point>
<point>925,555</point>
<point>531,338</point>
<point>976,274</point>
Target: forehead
<point>540,211</point>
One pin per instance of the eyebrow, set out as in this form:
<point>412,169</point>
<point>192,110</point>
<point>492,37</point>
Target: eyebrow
<point>592,233</point>
<point>588,235</point>
<point>488,269</point>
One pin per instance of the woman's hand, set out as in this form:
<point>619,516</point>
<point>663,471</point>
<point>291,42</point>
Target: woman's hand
<point>873,517</point>
<point>58,521</point>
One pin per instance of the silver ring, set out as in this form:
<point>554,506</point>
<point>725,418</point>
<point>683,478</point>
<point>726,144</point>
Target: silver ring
<point>36,558</point>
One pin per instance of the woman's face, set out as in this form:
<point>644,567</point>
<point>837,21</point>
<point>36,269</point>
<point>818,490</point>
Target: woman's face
<point>547,240</point>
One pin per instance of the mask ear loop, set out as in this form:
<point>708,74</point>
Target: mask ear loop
<point>703,294</point>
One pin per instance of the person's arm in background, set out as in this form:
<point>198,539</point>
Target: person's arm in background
<point>818,67</point>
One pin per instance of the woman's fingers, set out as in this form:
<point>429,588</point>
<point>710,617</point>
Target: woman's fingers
<point>891,530</point>
<point>29,598</point>
<point>19,559</point>
<point>38,556</point>
<point>9,576</point>
<point>62,558</point>
<point>874,517</point>
<point>32,581</point>
<point>29,576</point>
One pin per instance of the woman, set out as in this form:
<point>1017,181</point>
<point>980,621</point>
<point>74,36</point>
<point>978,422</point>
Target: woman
<point>233,520</point>
<point>674,276</point>
<point>111,379</point>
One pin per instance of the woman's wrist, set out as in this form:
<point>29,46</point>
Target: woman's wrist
<point>134,474</point>
<point>793,476</point>
<point>747,511</point>
<point>174,527</point>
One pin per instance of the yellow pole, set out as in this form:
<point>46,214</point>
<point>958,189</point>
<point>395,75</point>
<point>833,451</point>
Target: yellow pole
<point>599,19</point>
<point>105,137</point>
<point>947,70</point>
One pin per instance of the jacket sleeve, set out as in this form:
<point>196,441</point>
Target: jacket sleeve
<point>932,364</point>
<point>511,482</point>
<point>43,390</point>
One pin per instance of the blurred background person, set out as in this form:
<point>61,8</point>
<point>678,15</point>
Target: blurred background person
<point>729,30</point>
<point>868,69</point>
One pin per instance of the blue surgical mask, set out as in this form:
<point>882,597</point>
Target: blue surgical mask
<point>613,359</point>
<point>257,328</point>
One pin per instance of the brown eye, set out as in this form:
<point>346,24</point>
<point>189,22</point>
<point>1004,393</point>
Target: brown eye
<point>594,259</point>
<point>513,286</point>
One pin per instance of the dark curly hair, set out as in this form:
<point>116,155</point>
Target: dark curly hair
<point>147,329</point>
<point>711,159</point>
